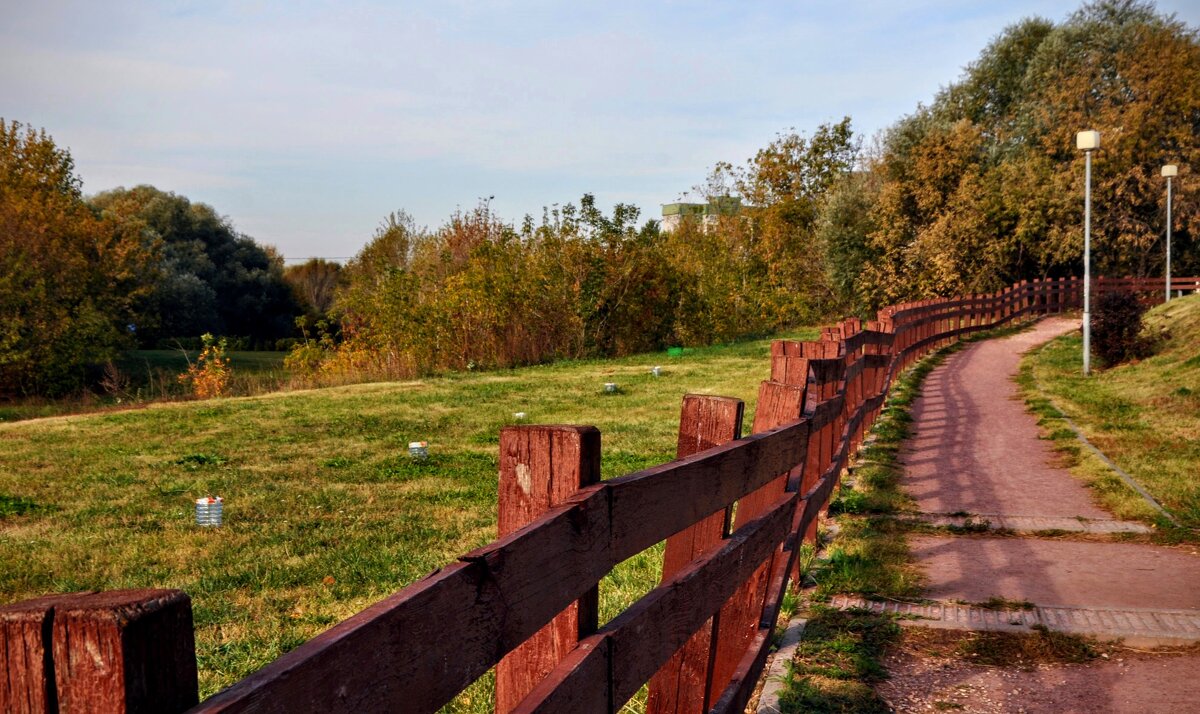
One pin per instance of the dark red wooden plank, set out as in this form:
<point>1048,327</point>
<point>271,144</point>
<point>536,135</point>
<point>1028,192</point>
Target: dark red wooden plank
<point>412,651</point>
<point>125,651</point>
<point>654,503</point>
<point>541,467</point>
<point>682,683</point>
<point>777,404</point>
<point>789,369</point>
<point>420,647</point>
<point>741,686</point>
<point>643,637</point>
<point>581,684</point>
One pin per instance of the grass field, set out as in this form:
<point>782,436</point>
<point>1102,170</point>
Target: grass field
<point>325,513</point>
<point>146,376</point>
<point>1145,416</point>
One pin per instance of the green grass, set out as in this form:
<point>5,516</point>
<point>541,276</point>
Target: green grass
<point>325,513</point>
<point>1145,416</point>
<point>837,661</point>
<point>140,377</point>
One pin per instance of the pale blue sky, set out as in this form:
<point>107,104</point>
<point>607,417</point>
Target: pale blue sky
<point>306,123</point>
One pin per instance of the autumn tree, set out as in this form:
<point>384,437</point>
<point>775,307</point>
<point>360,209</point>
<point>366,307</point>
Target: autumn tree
<point>314,283</point>
<point>762,268</point>
<point>479,292</point>
<point>984,186</point>
<point>213,279</point>
<point>69,278</point>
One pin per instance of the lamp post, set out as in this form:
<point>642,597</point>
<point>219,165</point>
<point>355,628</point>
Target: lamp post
<point>1087,141</point>
<point>1169,171</point>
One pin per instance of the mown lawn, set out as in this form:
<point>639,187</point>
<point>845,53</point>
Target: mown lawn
<point>1145,416</point>
<point>325,512</point>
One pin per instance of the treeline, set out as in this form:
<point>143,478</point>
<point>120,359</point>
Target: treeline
<point>984,186</point>
<point>979,189</point>
<point>82,280</point>
<point>479,292</point>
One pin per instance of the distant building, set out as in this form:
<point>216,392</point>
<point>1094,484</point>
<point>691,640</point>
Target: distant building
<point>673,214</point>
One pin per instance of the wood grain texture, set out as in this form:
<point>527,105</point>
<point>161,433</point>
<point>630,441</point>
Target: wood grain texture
<point>125,651</point>
<point>412,651</point>
<point>26,655</point>
<point>681,685</point>
<point>789,369</point>
<point>742,683</point>
<point>541,467</point>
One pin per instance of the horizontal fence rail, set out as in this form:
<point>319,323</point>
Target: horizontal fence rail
<point>733,511</point>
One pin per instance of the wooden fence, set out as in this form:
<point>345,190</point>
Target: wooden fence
<point>733,512</point>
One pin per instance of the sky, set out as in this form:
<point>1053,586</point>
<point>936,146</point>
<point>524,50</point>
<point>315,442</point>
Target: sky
<point>307,123</point>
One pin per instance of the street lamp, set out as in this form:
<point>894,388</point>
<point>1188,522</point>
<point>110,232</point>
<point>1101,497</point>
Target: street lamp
<point>1169,171</point>
<point>1087,141</point>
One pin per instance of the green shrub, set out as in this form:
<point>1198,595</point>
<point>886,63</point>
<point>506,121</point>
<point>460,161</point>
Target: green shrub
<point>1117,328</point>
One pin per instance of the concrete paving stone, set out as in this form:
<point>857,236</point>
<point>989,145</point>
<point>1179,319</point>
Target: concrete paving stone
<point>1136,627</point>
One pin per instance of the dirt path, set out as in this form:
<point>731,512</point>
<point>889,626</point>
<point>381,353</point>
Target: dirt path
<point>975,450</point>
<point>1124,681</point>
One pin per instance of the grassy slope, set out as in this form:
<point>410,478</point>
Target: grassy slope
<point>1144,416</point>
<point>325,513</point>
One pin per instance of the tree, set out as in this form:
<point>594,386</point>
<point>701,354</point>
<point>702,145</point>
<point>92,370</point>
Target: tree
<point>214,280</point>
<point>844,222</point>
<point>69,278</point>
<point>771,270</point>
<point>315,282</point>
<point>984,187</point>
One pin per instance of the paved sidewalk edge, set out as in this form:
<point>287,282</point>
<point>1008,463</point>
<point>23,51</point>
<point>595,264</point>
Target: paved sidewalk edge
<point>1130,481</point>
<point>1031,524</point>
<point>1138,627</point>
<point>775,677</point>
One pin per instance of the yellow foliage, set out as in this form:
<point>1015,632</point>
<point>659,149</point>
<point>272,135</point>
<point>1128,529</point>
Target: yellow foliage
<point>208,377</point>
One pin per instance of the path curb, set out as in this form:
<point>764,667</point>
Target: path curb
<point>1137,627</point>
<point>1031,524</point>
<point>1130,481</point>
<point>775,678</point>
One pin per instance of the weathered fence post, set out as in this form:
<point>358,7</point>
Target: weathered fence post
<point>26,661</point>
<point>108,653</point>
<point>125,651</point>
<point>540,468</point>
<point>681,685</point>
<point>778,404</point>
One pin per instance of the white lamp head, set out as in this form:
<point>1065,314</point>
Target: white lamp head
<point>1170,170</point>
<point>1087,140</point>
